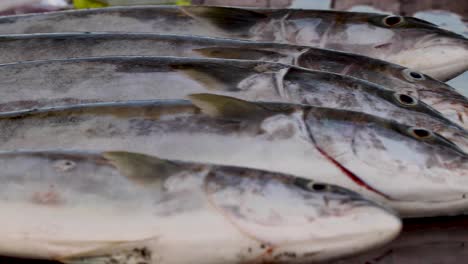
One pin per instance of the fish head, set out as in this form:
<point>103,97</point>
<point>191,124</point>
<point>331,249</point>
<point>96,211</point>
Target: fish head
<point>424,46</point>
<point>440,96</point>
<point>348,93</point>
<point>436,94</point>
<point>408,109</point>
<point>298,219</point>
<point>396,161</point>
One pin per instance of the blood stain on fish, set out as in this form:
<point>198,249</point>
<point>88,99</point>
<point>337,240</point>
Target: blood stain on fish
<point>49,198</point>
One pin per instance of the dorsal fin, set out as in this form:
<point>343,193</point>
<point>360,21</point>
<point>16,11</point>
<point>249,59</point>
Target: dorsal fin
<point>141,168</point>
<point>225,18</point>
<point>230,107</point>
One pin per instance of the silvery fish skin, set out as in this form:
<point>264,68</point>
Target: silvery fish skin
<point>65,82</point>
<point>440,96</point>
<point>368,144</point>
<point>406,41</point>
<point>269,136</point>
<point>439,240</point>
<point>73,205</point>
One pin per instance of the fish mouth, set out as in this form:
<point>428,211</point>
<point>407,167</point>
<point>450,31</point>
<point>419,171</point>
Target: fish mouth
<point>449,103</point>
<point>447,71</point>
<point>448,56</point>
<point>361,229</point>
<point>365,185</point>
<point>440,57</point>
<point>413,209</point>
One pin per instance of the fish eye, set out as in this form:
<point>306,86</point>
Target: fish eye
<point>416,75</point>
<point>318,187</point>
<point>420,133</point>
<point>392,21</point>
<point>413,75</point>
<point>405,99</point>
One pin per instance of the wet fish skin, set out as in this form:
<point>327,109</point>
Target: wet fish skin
<point>438,95</point>
<point>411,42</point>
<point>154,199</point>
<point>19,47</point>
<point>445,99</point>
<point>129,124</point>
<point>357,143</point>
<point>443,245</point>
<point>72,81</point>
<point>268,136</point>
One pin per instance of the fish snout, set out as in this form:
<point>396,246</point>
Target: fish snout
<point>359,229</point>
<point>344,223</point>
<point>442,56</point>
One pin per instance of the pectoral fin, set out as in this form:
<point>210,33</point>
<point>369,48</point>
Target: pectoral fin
<point>226,18</point>
<point>141,168</point>
<point>217,76</point>
<point>234,108</point>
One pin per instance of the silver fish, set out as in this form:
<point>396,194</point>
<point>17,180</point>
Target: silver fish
<point>407,41</point>
<point>123,208</point>
<point>440,96</point>
<point>269,136</point>
<point>65,82</point>
<point>439,240</point>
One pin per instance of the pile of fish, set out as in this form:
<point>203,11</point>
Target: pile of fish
<point>163,134</point>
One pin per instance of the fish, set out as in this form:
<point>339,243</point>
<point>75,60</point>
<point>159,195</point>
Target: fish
<point>439,240</point>
<point>73,206</point>
<point>407,41</point>
<point>275,136</point>
<point>86,80</point>
<point>440,96</point>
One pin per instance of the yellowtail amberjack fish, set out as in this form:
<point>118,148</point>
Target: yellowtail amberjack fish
<point>66,82</point>
<point>440,96</point>
<point>413,170</point>
<point>120,207</point>
<point>407,41</point>
<point>439,240</point>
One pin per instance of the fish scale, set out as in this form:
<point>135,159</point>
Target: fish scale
<point>440,96</point>
<point>85,80</point>
<point>288,138</point>
<point>411,42</point>
<point>229,210</point>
